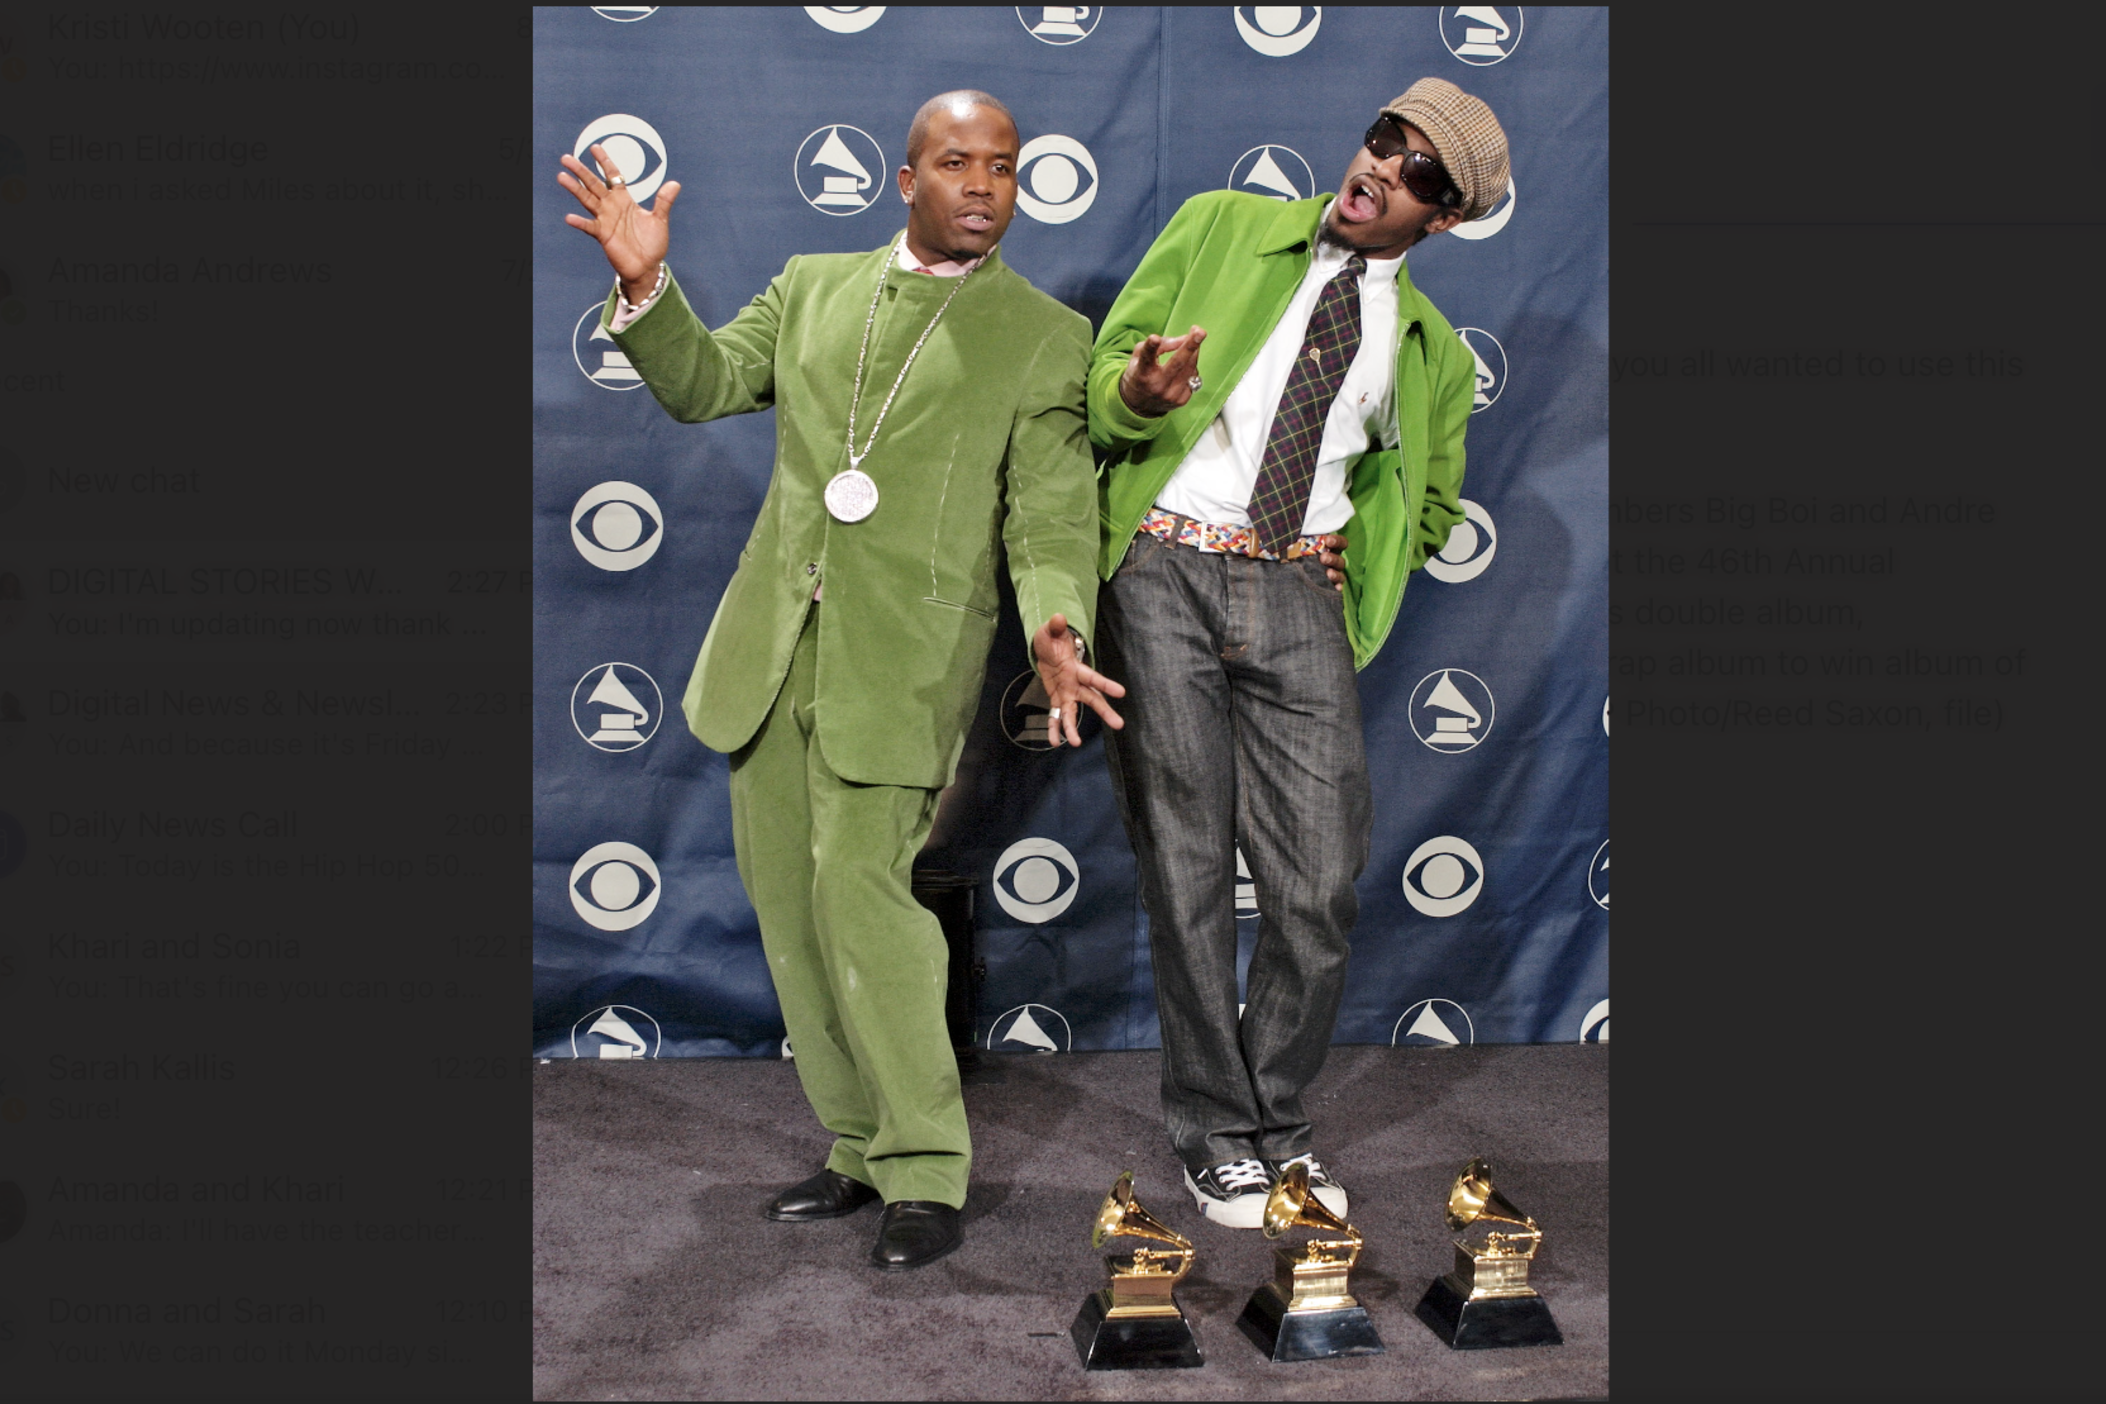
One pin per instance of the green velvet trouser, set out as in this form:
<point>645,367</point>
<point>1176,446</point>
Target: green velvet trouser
<point>859,965</point>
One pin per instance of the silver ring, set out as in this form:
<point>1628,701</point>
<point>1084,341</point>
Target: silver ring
<point>1054,715</point>
<point>1196,382</point>
<point>615,182</point>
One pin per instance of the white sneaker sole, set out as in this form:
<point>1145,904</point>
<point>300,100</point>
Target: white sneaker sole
<point>1245,1211</point>
<point>1333,1198</point>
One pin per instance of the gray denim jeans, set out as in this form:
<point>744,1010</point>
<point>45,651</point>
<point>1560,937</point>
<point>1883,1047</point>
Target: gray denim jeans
<point>1242,724</point>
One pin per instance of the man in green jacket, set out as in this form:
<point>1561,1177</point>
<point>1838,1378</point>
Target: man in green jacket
<point>1334,401</point>
<point>928,416</point>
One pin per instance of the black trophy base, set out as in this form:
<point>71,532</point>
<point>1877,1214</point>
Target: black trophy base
<point>1306,1335</point>
<point>1484,1325</point>
<point>1133,1342</point>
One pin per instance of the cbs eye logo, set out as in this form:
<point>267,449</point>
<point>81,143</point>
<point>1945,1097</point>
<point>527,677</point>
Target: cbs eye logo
<point>1598,876</point>
<point>1471,546</point>
<point>1036,879</point>
<point>1056,179</point>
<point>1490,369</point>
<point>1278,30</point>
<point>635,147</point>
<point>1595,1027</point>
<point>614,886</point>
<point>1443,876</point>
<point>616,526</point>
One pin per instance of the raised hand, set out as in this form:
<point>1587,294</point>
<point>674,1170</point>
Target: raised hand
<point>1071,683</point>
<point>633,238</point>
<point>1163,373</point>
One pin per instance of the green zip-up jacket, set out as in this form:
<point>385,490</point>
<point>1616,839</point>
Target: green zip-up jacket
<point>1230,262</point>
<point>985,450</point>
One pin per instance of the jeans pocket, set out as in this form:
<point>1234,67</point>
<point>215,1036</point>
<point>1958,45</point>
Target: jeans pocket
<point>1310,571</point>
<point>1139,552</point>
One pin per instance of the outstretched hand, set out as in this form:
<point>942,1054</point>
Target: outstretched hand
<point>1163,373</point>
<point>1070,683</point>
<point>633,238</point>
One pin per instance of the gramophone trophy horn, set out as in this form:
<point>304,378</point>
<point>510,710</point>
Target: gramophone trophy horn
<point>1486,1300</point>
<point>1134,1322</point>
<point>1307,1311</point>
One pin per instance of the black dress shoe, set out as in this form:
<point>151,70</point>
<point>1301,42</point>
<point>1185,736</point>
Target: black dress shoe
<point>825,1196</point>
<point>916,1231</point>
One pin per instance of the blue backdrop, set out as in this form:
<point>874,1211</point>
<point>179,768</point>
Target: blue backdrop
<point>1484,908</point>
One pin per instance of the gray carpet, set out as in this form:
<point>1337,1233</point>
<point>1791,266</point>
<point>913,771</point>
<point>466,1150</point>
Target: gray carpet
<point>655,1276</point>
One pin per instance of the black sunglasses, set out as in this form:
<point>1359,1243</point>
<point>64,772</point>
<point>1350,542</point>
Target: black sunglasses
<point>1423,176</point>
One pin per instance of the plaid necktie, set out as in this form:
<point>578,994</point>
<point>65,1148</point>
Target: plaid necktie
<point>1280,498</point>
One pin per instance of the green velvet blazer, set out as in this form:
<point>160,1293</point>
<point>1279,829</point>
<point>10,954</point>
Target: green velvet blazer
<point>985,450</point>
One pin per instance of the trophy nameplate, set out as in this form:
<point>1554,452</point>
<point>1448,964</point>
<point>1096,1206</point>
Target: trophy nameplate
<point>1308,1311</point>
<point>1134,1322</point>
<point>1486,1301</point>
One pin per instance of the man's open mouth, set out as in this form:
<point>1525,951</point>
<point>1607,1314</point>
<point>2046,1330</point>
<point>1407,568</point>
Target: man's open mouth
<point>979,221</point>
<point>1364,199</point>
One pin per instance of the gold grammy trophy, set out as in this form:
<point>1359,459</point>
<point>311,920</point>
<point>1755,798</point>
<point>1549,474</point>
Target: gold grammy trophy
<point>1135,1322</point>
<point>1307,1311</point>
<point>1487,1301</point>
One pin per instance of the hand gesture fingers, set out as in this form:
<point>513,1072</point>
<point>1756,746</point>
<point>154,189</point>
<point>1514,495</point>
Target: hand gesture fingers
<point>634,239</point>
<point>1153,385</point>
<point>1071,684</point>
<point>1184,361</point>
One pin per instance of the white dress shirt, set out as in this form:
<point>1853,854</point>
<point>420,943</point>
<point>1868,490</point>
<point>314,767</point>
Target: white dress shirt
<point>1214,482</point>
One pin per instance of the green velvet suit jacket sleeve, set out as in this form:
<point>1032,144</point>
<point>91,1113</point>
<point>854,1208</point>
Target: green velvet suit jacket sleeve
<point>983,455</point>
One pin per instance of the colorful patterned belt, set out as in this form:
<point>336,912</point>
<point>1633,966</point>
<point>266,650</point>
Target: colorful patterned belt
<point>1218,539</point>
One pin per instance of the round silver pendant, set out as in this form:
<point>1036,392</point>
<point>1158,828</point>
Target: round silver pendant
<point>851,496</point>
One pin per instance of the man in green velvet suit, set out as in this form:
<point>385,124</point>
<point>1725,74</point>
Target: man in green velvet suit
<point>928,417</point>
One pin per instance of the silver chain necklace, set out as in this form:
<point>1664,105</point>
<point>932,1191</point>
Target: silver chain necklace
<point>852,495</point>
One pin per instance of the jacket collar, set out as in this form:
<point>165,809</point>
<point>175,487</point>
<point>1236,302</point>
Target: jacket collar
<point>1294,227</point>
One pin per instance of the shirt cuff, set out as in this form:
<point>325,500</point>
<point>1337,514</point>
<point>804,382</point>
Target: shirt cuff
<point>625,315</point>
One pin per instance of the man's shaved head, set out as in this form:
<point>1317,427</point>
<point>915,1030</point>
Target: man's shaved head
<point>960,101</point>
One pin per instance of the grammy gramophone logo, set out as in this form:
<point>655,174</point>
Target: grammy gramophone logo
<point>837,169</point>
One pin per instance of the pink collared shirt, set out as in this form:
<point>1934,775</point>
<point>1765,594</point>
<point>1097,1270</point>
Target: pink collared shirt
<point>947,269</point>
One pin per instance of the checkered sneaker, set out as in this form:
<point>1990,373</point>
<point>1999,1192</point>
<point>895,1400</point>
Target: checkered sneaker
<point>1232,1194</point>
<point>1280,498</point>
